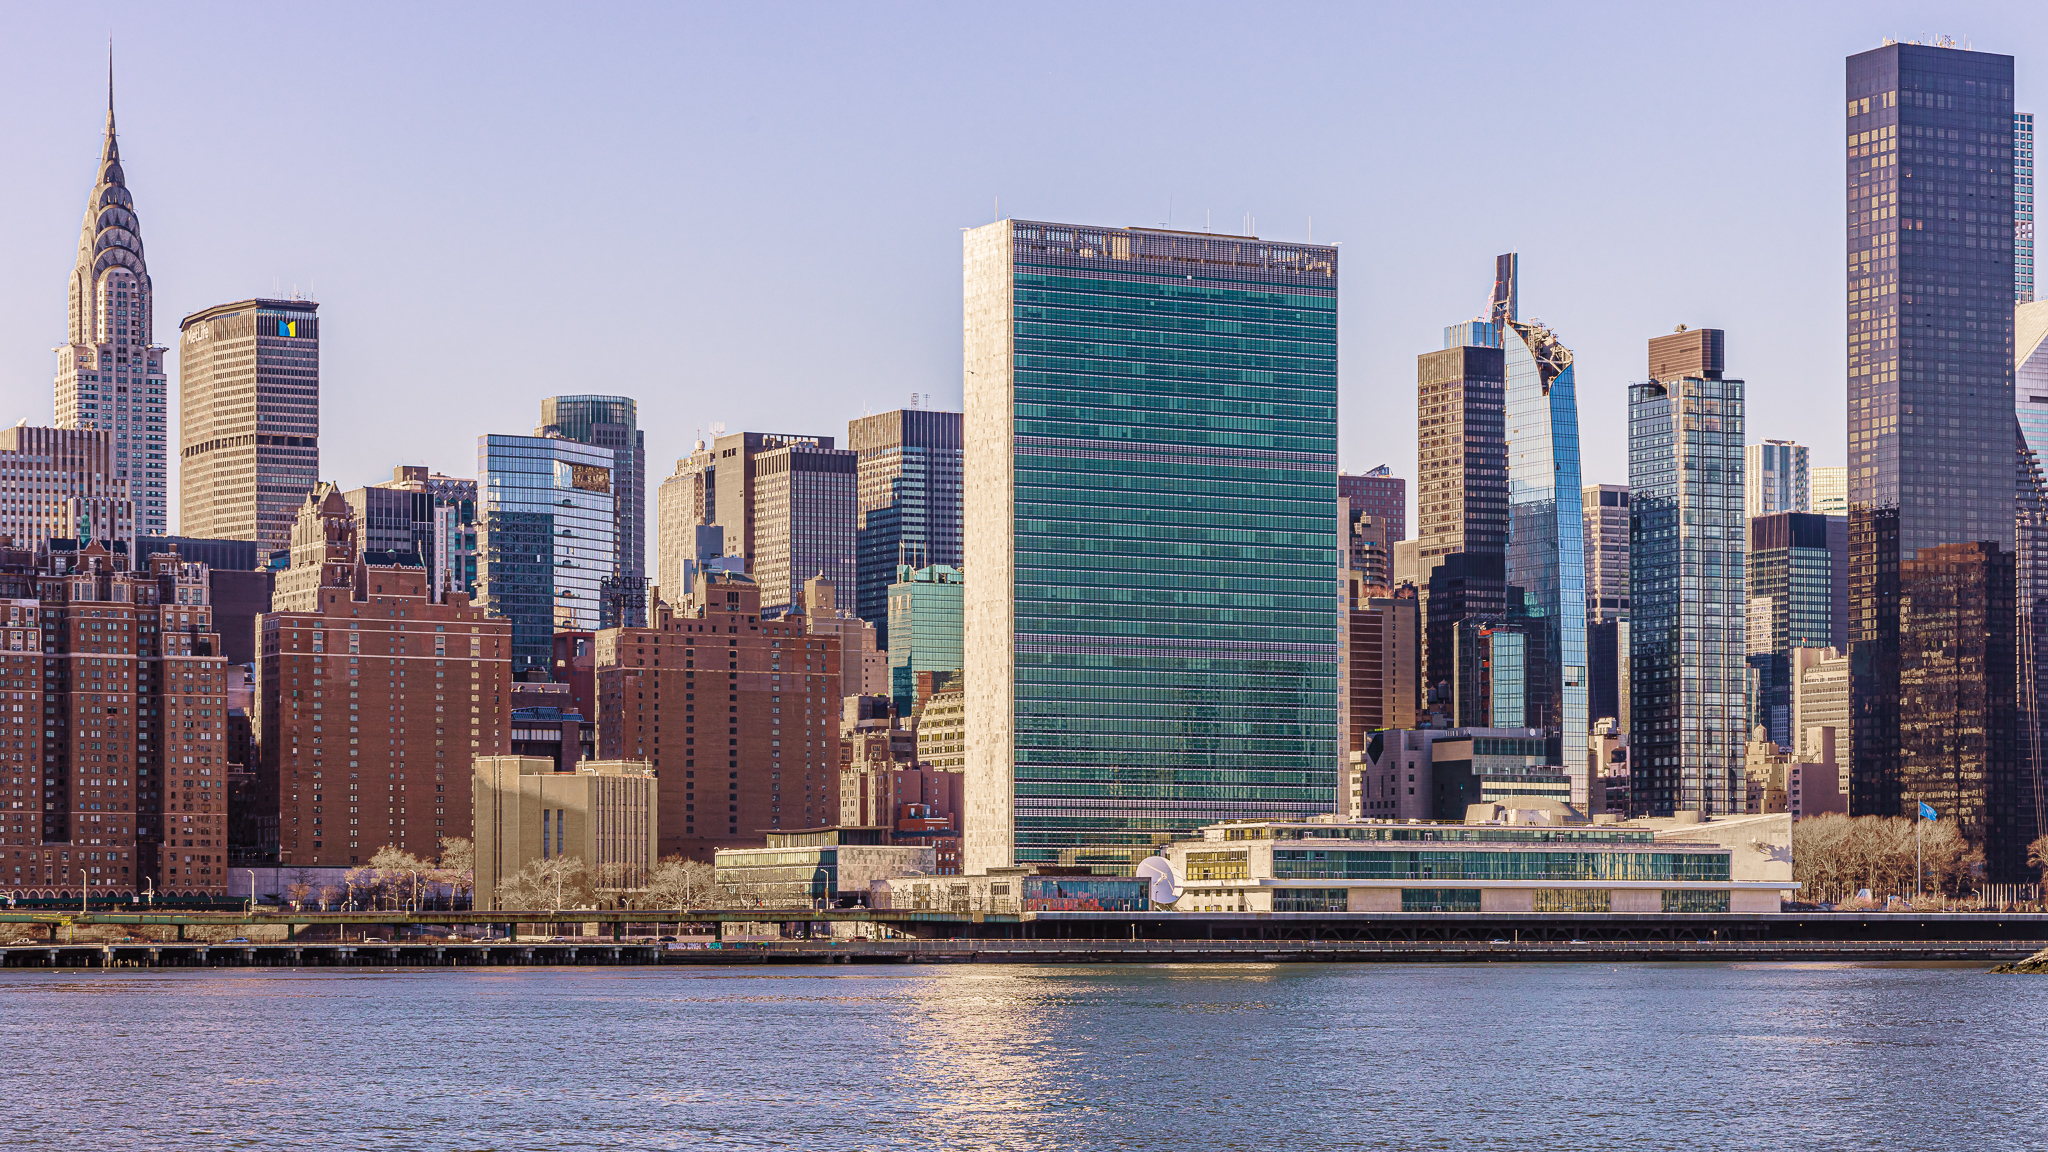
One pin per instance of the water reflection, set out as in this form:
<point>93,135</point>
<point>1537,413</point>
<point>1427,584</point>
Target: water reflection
<point>999,1057</point>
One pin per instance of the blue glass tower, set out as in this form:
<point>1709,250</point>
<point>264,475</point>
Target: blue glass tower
<point>1547,537</point>
<point>549,540</point>
<point>1151,500</point>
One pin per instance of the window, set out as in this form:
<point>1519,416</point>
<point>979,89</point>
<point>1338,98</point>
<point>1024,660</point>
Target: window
<point>1694,901</point>
<point>1216,865</point>
<point>1317,900</point>
<point>1439,899</point>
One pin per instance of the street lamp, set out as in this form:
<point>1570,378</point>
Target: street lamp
<point>252,890</point>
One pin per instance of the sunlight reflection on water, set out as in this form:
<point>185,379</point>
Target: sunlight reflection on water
<point>972,1057</point>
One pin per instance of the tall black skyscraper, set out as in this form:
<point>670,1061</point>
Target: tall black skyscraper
<point>1930,184</point>
<point>908,502</point>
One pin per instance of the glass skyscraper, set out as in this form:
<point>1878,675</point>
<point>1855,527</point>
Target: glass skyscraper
<point>1798,568</point>
<point>907,500</point>
<point>925,618</point>
<point>1547,536</point>
<point>614,422</point>
<point>548,543</point>
<point>1461,499</point>
<point>1931,454</point>
<point>2023,206</point>
<point>1774,478</point>
<point>1151,602</point>
<point>1686,595</point>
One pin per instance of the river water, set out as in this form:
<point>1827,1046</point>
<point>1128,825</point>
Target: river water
<point>1281,1057</point>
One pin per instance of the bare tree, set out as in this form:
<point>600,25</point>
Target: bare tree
<point>458,866</point>
<point>679,883</point>
<point>2037,857</point>
<point>1835,856</point>
<point>562,882</point>
<point>398,872</point>
<point>364,879</point>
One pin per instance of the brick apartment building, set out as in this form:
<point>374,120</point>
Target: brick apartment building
<point>122,786</point>
<point>374,697</point>
<point>765,755</point>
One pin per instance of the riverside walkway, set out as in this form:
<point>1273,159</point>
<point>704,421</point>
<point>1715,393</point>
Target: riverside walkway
<point>636,936</point>
<point>378,954</point>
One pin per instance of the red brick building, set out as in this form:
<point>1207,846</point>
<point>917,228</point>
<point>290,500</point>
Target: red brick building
<point>122,788</point>
<point>374,697</point>
<point>739,716</point>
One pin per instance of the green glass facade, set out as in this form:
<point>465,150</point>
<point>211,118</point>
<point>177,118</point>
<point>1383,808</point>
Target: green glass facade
<point>1293,864</point>
<point>1174,549</point>
<point>925,628</point>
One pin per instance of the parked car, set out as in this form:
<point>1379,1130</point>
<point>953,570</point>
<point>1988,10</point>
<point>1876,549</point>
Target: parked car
<point>236,940</point>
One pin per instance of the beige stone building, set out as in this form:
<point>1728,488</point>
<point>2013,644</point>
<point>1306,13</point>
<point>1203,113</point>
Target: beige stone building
<point>863,668</point>
<point>1821,699</point>
<point>248,418</point>
<point>62,482</point>
<point>942,730</point>
<point>603,813</point>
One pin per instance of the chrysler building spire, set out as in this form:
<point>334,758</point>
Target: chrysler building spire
<point>109,375</point>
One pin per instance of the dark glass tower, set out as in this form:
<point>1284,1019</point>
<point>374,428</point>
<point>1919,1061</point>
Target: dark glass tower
<point>613,422</point>
<point>1686,704</point>
<point>1461,498</point>
<point>907,502</point>
<point>1798,568</point>
<point>1930,299</point>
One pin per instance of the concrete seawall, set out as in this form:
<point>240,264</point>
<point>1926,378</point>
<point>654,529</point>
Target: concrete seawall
<point>499,954</point>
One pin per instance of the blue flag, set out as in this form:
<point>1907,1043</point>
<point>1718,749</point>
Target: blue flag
<point>1927,811</point>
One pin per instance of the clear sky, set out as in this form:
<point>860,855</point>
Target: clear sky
<point>750,214</point>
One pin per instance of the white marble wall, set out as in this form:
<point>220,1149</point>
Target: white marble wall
<point>989,330</point>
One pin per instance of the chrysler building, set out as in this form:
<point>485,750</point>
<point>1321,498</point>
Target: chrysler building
<point>110,377</point>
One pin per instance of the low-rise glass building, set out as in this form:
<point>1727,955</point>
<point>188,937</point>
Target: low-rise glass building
<point>1383,866</point>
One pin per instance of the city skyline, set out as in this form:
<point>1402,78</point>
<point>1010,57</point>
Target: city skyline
<point>360,258</point>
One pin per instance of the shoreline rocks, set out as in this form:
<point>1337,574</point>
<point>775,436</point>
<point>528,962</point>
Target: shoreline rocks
<point>2035,965</point>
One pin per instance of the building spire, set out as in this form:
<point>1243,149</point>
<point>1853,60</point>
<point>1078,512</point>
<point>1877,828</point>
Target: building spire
<point>110,150</point>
